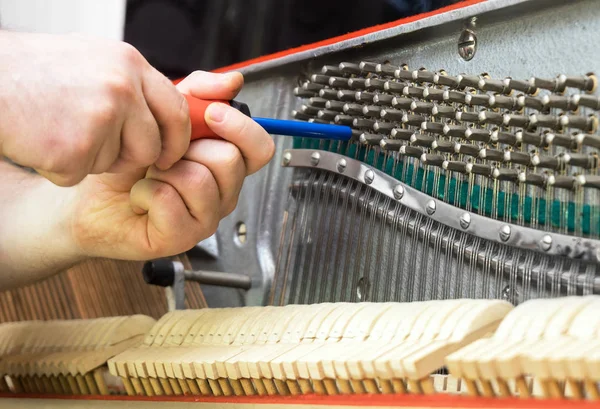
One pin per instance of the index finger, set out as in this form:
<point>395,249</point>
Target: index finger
<point>255,144</point>
<point>170,110</point>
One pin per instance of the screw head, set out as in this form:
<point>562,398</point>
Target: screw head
<point>287,158</point>
<point>369,176</point>
<point>430,207</point>
<point>467,45</point>
<point>505,232</point>
<point>510,294</point>
<point>315,158</point>
<point>341,165</point>
<point>398,192</point>
<point>546,242</point>
<point>465,220</point>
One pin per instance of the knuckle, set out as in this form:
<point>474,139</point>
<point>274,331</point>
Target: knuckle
<point>164,193</point>
<point>103,114</point>
<point>128,53</point>
<point>231,157</point>
<point>183,113</point>
<point>196,75</point>
<point>196,176</point>
<point>120,86</point>
<point>269,150</point>
<point>231,205</point>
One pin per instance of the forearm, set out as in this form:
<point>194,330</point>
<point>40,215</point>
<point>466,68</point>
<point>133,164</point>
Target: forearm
<point>35,232</point>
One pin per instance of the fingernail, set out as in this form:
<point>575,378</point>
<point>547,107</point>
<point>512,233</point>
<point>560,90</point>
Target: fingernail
<point>217,112</point>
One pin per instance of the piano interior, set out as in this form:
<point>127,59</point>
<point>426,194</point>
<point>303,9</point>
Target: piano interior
<point>447,256</point>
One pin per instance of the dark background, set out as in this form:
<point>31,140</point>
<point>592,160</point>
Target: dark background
<point>179,36</point>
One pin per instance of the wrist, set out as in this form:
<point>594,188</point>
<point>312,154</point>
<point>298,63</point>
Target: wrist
<point>36,238</point>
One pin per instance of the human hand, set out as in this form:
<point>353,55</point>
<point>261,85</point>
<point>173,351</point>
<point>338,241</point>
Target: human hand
<point>152,212</point>
<point>74,106</point>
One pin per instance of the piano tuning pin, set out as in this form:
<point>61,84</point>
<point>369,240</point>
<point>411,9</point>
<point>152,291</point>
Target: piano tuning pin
<point>338,82</point>
<point>433,94</point>
<point>588,101</point>
<point>411,151</point>
<point>366,66</point>
<point>467,116</point>
<point>401,134</point>
<point>331,70</point>
<point>383,127</point>
<point>477,99</point>
<point>364,96</point>
<point>375,84</point>
<point>346,95</point>
<point>321,79</point>
<point>403,74</point>
<point>527,101</point>
<point>468,81</point>
<point>309,110</point>
<point>371,111</point>
<point>357,83</point>
<point>302,93</point>
<point>432,159</point>
<point>383,99</point>
<point>585,123</point>
<point>414,120</point>
<point>391,144</point>
<point>518,85</point>
<point>326,115</point>
<point>353,109</point>
<point>414,92</point>
<point>402,103</point>
<point>554,85</point>
<point>363,123</point>
<point>341,119</point>
<point>394,86</point>
<point>493,85</point>
<point>386,69</point>
<point>334,105</point>
<point>422,75</point>
<point>391,114</point>
<point>349,68</point>
<point>300,116</point>
<point>370,139</point>
<point>420,107</point>
<point>433,127</point>
<point>585,83</point>
<point>561,181</point>
<point>311,86</point>
<point>318,102</point>
<point>328,93</point>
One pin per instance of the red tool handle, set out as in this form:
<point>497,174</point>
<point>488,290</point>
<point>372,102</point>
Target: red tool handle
<point>197,109</point>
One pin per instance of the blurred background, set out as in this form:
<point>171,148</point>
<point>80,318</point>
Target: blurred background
<point>179,36</point>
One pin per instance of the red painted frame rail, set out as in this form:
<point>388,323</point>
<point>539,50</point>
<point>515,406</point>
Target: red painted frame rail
<point>414,401</point>
<point>354,34</point>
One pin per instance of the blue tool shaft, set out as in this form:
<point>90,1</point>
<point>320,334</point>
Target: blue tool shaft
<point>305,129</point>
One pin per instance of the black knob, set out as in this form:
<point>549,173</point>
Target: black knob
<point>159,272</point>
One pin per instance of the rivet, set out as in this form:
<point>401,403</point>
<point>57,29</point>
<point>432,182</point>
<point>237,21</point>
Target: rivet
<point>287,158</point>
<point>369,177</point>
<point>398,192</point>
<point>510,294</point>
<point>546,242</point>
<point>341,165</point>
<point>465,220</point>
<point>430,207</point>
<point>314,158</point>
<point>505,232</point>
